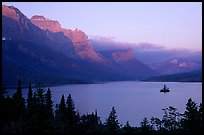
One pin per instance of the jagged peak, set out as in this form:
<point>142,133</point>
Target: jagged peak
<point>46,24</point>
<point>9,7</point>
<point>38,17</point>
<point>11,12</point>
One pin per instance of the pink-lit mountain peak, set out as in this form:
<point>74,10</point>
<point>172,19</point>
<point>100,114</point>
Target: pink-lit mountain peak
<point>60,52</point>
<point>14,20</point>
<point>46,24</point>
<point>38,17</point>
<point>79,39</point>
<point>13,13</point>
<point>54,26</point>
<point>10,12</point>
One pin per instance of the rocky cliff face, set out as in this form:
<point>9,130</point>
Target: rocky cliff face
<point>79,39</point>
<point>15,26</point>
<point>12,19</point>
<point>10,12</point>
<point>46,24</point>
<point>43,49</point>
<point>126,61</point>
<point>82,45</point>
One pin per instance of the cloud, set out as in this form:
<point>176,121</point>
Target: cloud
<point>150,45</point>
<point>145,51</point>
<point>102,38</point>
<point>107,43</point>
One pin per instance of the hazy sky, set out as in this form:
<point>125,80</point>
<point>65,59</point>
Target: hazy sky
<point>173,25</point>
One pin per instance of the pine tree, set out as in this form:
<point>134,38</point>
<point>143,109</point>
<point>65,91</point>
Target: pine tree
<point>19,106</point>
<point>170,119</point>
<point>60,119</point>
<point>71,115</point>
<point>127,128</point>
<point>90,123</point>
<point>145,126</point>
<point>191,114</point>
<point>29,100</point>
<point>49,110</point>
<point>5,110</point>
<point>39,112</point>
<point>49,104</point>
<point>18,99</point>
<point>62,106</point>
<point>40,96</point>
<point>200,117</point>
<point>156,123</point>
<point>112,122</point>
<point>30,107</point>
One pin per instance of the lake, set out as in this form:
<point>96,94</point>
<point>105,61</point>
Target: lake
<point>133,100</point>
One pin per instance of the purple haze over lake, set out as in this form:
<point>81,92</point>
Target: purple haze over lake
<point>133,100</point>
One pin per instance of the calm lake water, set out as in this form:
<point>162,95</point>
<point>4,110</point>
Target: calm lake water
<point>133,100</point>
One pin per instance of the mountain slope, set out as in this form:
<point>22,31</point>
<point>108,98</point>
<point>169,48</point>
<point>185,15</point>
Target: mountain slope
<point>41,55</point>
<point>179,65</point>
<point>126,62</point>
<point>193,76</point>
<point>81,44</point>
<point>32,62</point>
<point>50,54</point>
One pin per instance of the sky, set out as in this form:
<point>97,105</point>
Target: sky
<point>168,24</point>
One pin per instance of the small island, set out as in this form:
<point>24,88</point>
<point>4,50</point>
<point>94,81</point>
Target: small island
<point>165,89</point>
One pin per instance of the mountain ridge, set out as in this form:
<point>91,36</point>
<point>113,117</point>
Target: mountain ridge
<point>79,39</point>
<point>192,76</point>
<point>60,53</point>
